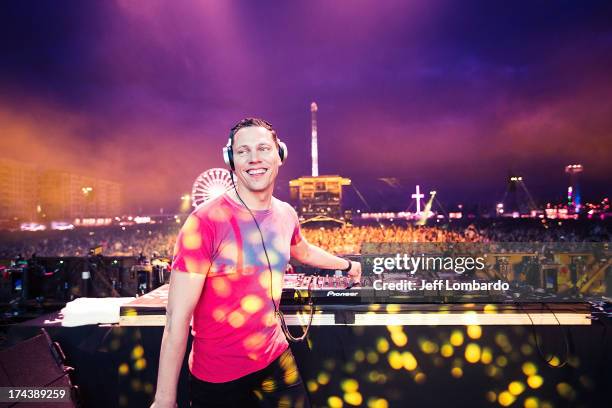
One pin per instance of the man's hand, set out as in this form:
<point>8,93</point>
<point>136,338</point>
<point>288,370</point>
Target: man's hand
<point>161,404</point>
<point>355,272</point>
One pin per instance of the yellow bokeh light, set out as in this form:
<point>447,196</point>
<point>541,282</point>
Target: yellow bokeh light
<point>372,357</point>
<point>323,378</point>
<point>492,371</point>
<point>491,396</point>
<point>221,286</point>
<point>502,340</point>
<point>428,347</point>
<point>137,352</point>
<point>535,381</point>
<point>486,357</point>
<point>192,241</point>
<point>269,319</point>
<point>526,349</point>
<point>395,360</point>
<point>529,368</point>
<point>229,251</point>
<point>236,319</point>
<point>554,361</point>
<point>353,398</point>
<point>420,378</point>
<point>490,308</point>
<point>115,344</point>
<point>334,402</point>
<point>457,372</point>
<point>408,361</point>
<point>399,338</point>
<point>382,345</point>
<point>447,350</point>
<point>124,369</point>
<point>516,388</point>
<point>456,338</point>
<point>193,265</point>
<point>219,314</point>
<point>566,390</point>
<point>532,402</point>
<point>378,403</point>
<point>140,364</point>
<point>501,361</point>
<point>254,341</point>
<point>191,224</point>
<point>505,399</point>
<point>472,353</point>
<point>251,303</point>
<point>291,376</point>
<point>393,309</point>
<point>474,332</point>
<point>349,385</point>
<point>312,386</point>
<point>136,384</point>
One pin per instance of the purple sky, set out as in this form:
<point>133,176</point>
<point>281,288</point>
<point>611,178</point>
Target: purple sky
<point>450,95</point>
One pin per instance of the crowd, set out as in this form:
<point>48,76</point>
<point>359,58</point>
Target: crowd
<point>152,240</point>
<point>351,239</point>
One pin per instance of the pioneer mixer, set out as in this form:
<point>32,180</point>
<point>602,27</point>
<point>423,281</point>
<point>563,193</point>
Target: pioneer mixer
<point>385,288</point>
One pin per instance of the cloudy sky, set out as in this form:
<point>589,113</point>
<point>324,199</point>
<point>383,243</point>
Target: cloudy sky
<point>451,95</point>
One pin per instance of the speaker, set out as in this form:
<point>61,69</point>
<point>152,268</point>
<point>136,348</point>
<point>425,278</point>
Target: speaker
<point>37,362</point>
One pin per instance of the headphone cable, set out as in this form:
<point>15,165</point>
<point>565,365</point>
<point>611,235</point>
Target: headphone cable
<point>277,310</point>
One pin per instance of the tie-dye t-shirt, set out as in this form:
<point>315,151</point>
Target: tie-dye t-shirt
<point>234,327</point>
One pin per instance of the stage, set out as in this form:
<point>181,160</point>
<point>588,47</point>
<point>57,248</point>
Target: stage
<point>421,355</point>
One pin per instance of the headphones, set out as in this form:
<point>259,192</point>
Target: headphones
<point>228,158</point>
<point>228,152</point>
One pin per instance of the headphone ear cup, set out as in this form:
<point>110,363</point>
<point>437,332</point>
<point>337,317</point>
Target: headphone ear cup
<point>228,157</point>
<point>282,151</point>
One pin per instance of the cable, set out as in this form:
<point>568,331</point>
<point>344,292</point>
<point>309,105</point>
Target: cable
<point>537,343</point>
<point>277,310</point>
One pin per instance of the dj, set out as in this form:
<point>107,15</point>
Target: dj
<point>228,268</point>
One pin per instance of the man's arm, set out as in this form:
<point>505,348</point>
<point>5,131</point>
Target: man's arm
<point>312,255</point>
<point>183,295</point>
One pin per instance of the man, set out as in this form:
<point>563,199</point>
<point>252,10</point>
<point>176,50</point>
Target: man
<point>228,268</point>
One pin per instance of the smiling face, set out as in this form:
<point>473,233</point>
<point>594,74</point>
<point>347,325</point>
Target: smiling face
<point>256,158</point>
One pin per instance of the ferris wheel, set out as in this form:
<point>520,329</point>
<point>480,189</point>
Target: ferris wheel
<point>210,184</point>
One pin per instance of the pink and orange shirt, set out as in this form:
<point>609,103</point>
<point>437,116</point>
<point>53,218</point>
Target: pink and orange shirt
<point>234,326</point>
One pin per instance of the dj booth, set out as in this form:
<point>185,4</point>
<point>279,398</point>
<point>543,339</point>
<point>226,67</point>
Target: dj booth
<point>374,354</point>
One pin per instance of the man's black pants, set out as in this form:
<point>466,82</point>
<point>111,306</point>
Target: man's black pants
<point>277,385</point>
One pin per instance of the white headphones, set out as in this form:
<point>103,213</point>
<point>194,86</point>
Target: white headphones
<point>228,153</point>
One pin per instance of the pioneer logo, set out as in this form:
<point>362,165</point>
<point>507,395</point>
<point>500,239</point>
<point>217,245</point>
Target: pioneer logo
<point>332,293</point>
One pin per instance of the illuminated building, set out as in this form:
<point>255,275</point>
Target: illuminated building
<point>18,189</point>
<point>573,191</point>
<point>315,195</point>
<point>65,195</point>
<point>322,195</point>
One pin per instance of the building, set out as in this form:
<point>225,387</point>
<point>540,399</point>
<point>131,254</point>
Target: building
<point>315,196</point>
<point>31,194</point>
<point>19,190</point>
<point>65,196</point>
